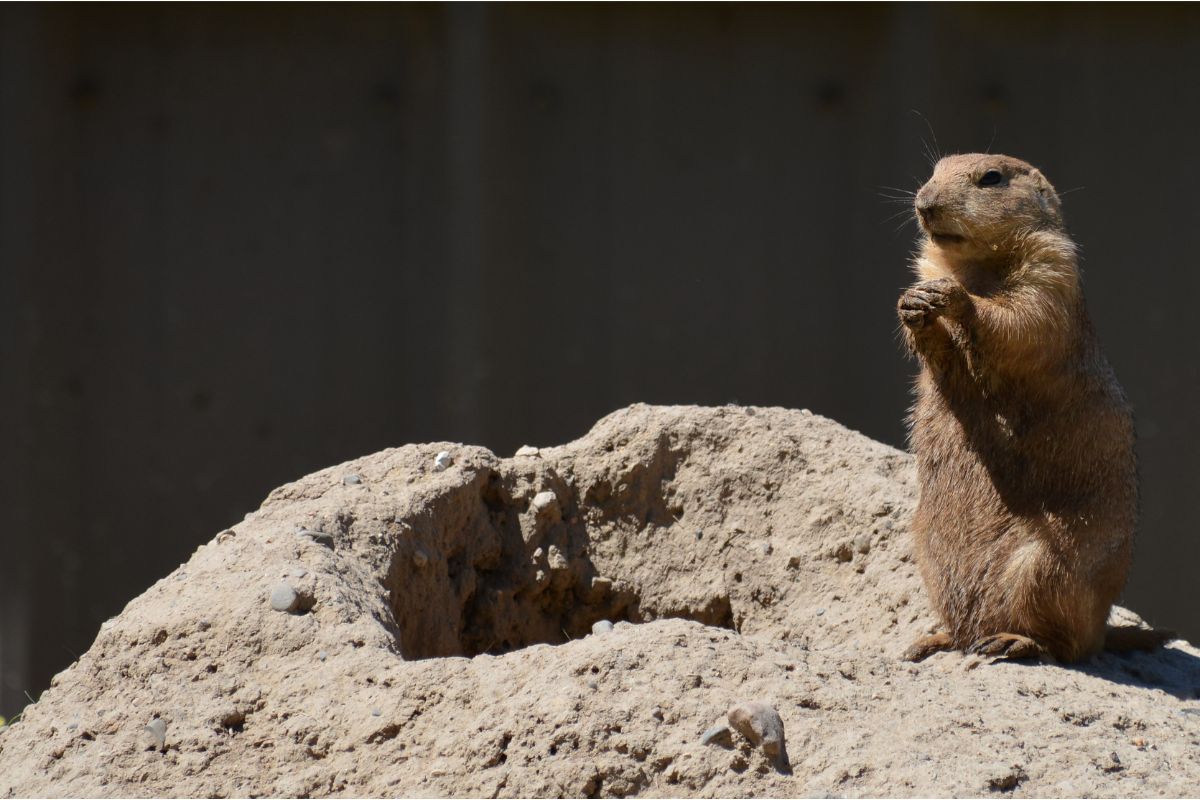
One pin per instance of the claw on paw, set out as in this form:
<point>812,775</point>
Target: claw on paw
<point>1007,645</point>
<point>926,646</point>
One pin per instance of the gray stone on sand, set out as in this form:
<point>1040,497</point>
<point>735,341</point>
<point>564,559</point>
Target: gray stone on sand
<point>762,726</point>
<point>602,627</point>
<point>718,734</point>
<point>284,598</point>
<point>157,733</point>
<point>320,537</point>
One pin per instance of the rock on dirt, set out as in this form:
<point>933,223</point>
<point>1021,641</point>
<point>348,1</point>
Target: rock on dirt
<point>762,726</point>
<point>476,656</point>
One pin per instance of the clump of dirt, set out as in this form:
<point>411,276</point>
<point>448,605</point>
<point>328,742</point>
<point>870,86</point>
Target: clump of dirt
<point>409,624</point>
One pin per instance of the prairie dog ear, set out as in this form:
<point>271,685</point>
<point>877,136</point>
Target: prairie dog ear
<point>1047,197</point>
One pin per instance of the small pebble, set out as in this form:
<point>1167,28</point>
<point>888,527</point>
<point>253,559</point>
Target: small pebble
<point>351,480</point>
<point>556,560</point>
<point>157,729</point>
<point>72,726</point>
<point>543,501</point>
<point>1005,778</point>
<point>806,412</point>
<point>602,627</point>
<point>420,558</point>
<point>762,726</point>
<point>862,542</point>
<point>718,734</point>
<point>320,537</point>
<point>699,535</point>
<point>442,460</point>
<point>322,655</point>
<point>767,548</point>
<point>527,450</point>
<point>284,598</point>
<point>375,712</point>
<point>593,685</point>
<point>820,612</point>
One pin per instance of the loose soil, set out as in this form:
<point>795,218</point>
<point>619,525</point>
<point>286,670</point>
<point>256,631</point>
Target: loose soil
<point>440,640</point>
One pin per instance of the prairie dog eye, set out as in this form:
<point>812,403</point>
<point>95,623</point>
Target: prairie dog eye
<point>992,177</point>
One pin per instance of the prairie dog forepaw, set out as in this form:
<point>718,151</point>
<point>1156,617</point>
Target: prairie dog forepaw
<point>923,302</point>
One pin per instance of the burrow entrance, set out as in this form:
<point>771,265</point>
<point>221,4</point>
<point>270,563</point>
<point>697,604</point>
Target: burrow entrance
<point>496,565</point>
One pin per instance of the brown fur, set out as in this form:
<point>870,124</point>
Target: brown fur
<point>1023,437</point>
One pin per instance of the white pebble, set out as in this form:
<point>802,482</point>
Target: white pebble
<point>527,450</point>
<point>602,627</point>
<point>556,560</point>
<point>442,460</point>
<point>543,501</point>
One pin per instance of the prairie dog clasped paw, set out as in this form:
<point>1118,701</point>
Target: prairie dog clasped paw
<point>921,303</point>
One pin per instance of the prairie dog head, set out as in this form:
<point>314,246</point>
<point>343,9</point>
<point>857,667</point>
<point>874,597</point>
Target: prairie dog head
<point>977,206</point>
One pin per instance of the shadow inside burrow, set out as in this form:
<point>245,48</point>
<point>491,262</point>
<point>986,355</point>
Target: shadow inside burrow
<point>489,568</point>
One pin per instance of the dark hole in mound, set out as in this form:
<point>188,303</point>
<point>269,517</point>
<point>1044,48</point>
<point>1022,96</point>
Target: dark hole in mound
<point>483,572</point>
<point>234,722</point>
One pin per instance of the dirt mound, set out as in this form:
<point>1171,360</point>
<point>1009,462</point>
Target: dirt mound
<point>419,622</point>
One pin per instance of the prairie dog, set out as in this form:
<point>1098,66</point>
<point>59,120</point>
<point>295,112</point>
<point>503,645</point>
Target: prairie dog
<point>1023,436</point>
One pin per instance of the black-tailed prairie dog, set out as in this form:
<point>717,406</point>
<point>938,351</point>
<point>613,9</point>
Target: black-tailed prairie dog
<point>1023,437</point>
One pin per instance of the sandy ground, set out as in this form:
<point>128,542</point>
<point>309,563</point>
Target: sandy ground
<point>408,625</point>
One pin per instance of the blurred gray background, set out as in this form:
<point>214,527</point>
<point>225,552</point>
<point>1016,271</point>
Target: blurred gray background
<point>241,243</point>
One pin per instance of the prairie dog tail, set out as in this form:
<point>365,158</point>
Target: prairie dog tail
<point>1125,638</point>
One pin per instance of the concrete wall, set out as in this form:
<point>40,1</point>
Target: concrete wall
<point>241,243</point>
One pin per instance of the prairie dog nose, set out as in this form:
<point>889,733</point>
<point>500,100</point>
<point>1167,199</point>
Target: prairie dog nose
<point>927,203</point>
